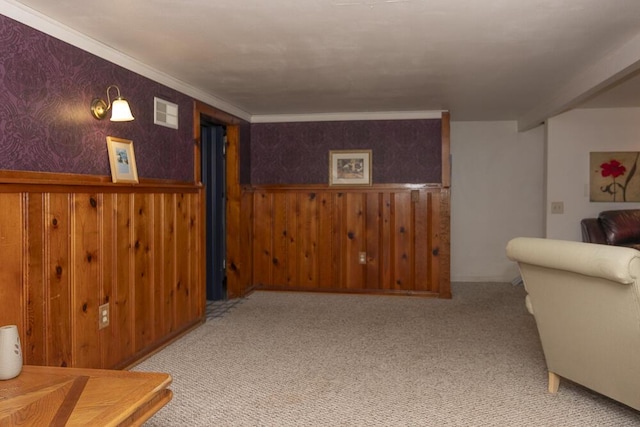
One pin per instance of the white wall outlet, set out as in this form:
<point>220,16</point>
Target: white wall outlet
<point>103,316</point>
<point>363,257</point>
<point>557,207</point>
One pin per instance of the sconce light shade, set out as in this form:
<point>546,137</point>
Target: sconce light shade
<point>120,110</point>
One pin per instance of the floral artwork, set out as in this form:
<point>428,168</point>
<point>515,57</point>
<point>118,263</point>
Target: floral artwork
<point>613,177</point>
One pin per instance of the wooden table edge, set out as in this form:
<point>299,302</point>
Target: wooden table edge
<point>145,408</point>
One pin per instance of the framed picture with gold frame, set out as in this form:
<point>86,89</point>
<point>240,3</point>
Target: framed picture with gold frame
<point>350,167</point>
<point>122,160</point>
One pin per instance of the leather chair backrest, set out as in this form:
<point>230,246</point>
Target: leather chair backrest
<point>621,227</point>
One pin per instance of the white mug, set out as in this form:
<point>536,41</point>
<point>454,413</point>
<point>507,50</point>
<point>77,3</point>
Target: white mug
<point>10,352</point>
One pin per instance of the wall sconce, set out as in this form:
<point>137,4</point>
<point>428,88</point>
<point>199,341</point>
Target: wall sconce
<point>120,111</point>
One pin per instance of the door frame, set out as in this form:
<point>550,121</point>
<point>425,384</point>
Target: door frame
<point>233,191</point>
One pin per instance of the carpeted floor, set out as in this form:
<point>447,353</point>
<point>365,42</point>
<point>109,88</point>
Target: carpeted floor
<point>312,359</point>
<point>216,309</point>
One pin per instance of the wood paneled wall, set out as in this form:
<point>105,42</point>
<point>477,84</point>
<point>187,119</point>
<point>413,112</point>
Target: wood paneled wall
<point>308,237</point>
<point>311,237</point>
<point>67,249</point>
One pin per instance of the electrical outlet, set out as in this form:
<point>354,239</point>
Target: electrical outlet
<point>557,207</point>
<point>363,257</point>
<point>103,316</point>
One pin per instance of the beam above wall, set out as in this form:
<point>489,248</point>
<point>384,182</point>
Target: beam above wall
<point>613,67</point>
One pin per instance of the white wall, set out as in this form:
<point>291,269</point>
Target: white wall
<point>497,193</point>
<point>570,138</point>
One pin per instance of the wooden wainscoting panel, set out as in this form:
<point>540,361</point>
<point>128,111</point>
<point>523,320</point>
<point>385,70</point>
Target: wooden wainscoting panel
<point>122,308</point>
<point>443,227</point>
<point>311,238</point>
<point>387,249</point>
<point>373,221</point>
<point>12,276</point>
<point>110,336</point>
<point>435,252</point>
<point>308,256</point>
<point>279,257</point>
<point>353,240</point>
<point>143,249</point>
<point>197,291</point>
<point>423,259</point>
<point>67,249</point>
<point>182,260</point>
<point>58,323</point>
<point>291,209</point>
<point>35,352</point>
<point>263,238</point>
<point>325,249</point>
<point>337,235</point>
<point>403,241</point>
<point>157,265</point>
<point>85,255</point>
<point>168,270</point>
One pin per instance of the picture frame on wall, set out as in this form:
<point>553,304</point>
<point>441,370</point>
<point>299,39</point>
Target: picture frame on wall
<point>613,176</point>
<point>122,160</point>
<point>350,167</point>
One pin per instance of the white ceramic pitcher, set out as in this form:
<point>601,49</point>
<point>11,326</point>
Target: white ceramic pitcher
<point>10,352</point>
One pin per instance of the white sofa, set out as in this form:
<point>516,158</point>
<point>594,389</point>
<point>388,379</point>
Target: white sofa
<point>586,302</point>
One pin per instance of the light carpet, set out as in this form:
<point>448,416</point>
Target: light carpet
<point>314,359</point>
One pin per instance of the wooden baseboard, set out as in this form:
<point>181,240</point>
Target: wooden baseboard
<point>143,355</point>
<point>426,294</point>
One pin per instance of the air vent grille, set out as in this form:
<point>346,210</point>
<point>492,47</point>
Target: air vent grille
<point>165,113</point>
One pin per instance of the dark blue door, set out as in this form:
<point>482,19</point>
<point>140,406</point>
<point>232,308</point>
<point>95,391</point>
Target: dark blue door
<point>213,142</point>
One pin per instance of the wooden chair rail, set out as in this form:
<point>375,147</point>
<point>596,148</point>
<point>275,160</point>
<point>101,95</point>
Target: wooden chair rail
<point>340,188</point>
<point>21,181</point>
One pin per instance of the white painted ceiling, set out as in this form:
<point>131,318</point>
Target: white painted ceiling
<point>522,60</point>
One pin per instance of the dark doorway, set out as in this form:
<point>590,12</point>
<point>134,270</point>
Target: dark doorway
<point>213,141</point>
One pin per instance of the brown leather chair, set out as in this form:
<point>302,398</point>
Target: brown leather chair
<point>616,227</point>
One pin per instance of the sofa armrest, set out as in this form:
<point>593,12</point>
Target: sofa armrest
<point>615,263</point>
<point>592,231</point>
<point>585,301</point>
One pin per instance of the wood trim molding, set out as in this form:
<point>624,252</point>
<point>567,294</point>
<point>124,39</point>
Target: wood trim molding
<point>235,287</point>
<point>17,181</point>
<point>408,292</point>
<point>446,150</point>
<point>339,189</point>
<point>215,114</point>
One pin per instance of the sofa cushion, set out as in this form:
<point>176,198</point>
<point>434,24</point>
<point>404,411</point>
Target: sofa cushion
<point>621,227</point>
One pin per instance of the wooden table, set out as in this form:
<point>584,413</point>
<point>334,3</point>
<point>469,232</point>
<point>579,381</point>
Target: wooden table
<point>50,396</point>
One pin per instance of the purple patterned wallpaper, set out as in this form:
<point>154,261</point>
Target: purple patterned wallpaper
<point>46,88</point>
<point>403,151</point>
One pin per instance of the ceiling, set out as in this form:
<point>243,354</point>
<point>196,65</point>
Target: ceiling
<point>523,60</point>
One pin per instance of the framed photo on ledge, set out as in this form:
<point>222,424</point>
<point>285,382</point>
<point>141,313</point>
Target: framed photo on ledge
<point>350,167</point>
<point>122,160</point>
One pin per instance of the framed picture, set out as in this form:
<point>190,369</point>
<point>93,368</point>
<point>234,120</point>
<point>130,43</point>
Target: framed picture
<point>350,167</point>
<point>122,160</point>
<point>614,176</point>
